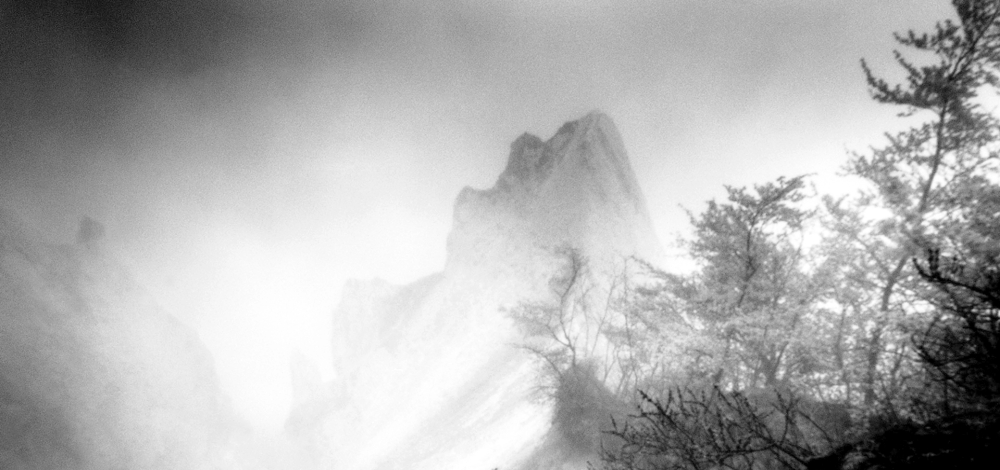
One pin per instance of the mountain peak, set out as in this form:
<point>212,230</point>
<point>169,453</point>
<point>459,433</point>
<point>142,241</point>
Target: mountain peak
<point>448,335</point>
<point>594,119</point>
<point>576,188</point>
<point>593,138</point>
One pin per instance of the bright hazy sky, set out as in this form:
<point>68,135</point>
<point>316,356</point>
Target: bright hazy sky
<point>247,157</point>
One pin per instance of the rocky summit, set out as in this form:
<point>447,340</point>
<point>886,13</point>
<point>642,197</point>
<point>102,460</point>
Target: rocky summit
<point>430,375</point>
<point>577,189</point>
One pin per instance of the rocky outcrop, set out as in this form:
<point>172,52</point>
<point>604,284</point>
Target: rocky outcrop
<point>93,375</point>
<point>578,188</point>
<point>427,374</point>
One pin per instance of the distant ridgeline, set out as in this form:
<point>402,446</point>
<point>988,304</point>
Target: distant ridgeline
<point>433,374</point>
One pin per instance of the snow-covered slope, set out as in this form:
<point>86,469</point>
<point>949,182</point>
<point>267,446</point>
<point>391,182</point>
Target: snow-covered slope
<point>93,375</point>
<point>428,374</point>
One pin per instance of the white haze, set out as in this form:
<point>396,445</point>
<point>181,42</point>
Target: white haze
<point>320,142</point>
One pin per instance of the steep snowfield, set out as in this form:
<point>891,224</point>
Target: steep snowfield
<point>429,375</point>
<point>93,375</point>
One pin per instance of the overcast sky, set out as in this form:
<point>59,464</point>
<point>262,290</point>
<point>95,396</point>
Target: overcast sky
<point>247,157</point>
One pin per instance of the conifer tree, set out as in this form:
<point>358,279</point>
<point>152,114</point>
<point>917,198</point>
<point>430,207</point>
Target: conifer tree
<point>919,179</point>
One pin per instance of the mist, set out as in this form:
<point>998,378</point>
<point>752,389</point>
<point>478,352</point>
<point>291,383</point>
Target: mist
<point>248,157</point>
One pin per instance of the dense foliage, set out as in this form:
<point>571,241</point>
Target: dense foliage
<point>816,332</point>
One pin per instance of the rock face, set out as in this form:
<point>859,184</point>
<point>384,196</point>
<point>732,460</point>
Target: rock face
<point>578,188</point>
<point>93,375</point>
<point>428,375</point>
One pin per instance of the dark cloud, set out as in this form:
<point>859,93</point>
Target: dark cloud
<point>89,86</point>
<point>81,61</point>
<point>75,67</point>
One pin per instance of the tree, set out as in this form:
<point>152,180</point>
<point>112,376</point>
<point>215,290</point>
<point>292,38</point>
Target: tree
<point>566,333</point>
<point>918,178</point>
<point>652,338</point>
<point>554,328</point>
<point>932,189</point>
<point>953,419</point>
<point>756,303</point>
<point>595,321</point>
<point>752,293</point>
<point>960,347</point>
<point>690,428</point>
